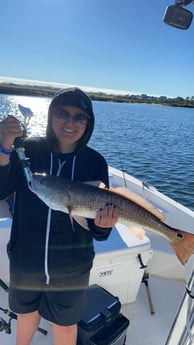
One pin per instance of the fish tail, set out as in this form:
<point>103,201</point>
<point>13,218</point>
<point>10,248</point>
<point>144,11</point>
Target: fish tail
<point>183,246</point>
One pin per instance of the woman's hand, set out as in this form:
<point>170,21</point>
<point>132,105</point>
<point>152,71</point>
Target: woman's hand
<point>107,217</point>
<point>10,128</point>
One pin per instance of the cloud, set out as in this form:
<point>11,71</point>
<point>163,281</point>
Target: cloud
<point>61,85</point>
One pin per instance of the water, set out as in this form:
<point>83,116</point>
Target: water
<point>153,143</point>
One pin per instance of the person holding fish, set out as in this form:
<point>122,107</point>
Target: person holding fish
<point>51,252</point>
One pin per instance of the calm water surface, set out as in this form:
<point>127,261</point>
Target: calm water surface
<point>153,143</point>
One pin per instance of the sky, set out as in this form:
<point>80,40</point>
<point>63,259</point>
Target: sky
<point>104,44</point>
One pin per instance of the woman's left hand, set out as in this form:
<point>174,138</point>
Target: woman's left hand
<point>107,217</point>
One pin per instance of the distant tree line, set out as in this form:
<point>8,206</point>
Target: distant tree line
<point>143,98</point>
<point>49,91</point>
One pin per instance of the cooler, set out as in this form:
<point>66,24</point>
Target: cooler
<point>120,262</point>
<point>102,322</point>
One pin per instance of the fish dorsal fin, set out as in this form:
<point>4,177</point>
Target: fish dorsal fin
<point>98,184</point>
<point>127,193</point>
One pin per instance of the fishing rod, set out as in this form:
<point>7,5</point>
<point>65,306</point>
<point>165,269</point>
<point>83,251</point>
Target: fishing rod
<point>122,169</point>
<point>6,326</point>
<point>19,147</point>
<point>19,144</point>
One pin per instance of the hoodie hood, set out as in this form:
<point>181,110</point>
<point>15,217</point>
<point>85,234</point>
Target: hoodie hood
<point>71,97</point>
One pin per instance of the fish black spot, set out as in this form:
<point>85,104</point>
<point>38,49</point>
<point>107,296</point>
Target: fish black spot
<point>180,235</point>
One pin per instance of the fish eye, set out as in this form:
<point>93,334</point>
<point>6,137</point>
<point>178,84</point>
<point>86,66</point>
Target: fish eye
<point>180,235</point>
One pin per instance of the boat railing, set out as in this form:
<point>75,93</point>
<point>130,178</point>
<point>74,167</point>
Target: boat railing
<point>182,331</point>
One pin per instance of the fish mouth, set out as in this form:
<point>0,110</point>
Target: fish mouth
<point>36,180</point>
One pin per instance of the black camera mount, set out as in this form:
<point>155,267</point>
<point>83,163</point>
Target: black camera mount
<point>177,16</point>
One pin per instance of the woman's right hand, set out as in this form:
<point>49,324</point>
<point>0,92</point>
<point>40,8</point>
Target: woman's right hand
<point>10,128</point>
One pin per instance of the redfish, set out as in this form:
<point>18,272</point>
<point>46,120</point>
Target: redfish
<point>83,200</point>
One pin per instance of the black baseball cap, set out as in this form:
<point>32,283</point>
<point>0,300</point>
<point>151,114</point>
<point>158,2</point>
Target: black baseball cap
<point>73,97</point>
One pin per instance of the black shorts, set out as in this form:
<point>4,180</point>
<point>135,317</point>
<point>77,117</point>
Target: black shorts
<point>63,308</point>
<point>62,301</point>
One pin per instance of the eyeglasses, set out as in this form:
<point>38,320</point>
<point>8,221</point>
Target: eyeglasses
<point>62,116</point>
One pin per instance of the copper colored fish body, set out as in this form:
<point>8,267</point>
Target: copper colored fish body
<point>82,201</point>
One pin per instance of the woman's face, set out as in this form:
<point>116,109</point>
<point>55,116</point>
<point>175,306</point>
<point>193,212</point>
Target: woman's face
<point>68,124</point>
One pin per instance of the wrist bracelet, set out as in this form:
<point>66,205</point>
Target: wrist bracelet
<point>4,151</point>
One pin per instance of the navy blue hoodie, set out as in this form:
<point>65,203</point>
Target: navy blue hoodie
<point>44,248</point>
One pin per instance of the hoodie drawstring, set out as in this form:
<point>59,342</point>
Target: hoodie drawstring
<point>60,166</point>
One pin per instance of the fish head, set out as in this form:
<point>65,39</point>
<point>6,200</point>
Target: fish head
<point>39,183</point>
<point>51,190</point>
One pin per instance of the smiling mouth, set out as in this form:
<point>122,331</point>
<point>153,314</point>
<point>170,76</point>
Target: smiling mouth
<point>68,131</point>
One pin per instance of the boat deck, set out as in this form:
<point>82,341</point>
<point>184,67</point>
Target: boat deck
<point>152,329</point>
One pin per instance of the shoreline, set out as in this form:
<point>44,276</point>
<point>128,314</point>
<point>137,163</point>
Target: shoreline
<point>47,91</point>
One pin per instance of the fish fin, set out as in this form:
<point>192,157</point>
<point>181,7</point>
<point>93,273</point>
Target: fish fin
<point>97,183</point>
<point>138,232</point>
<point>70,217</point>
<point>127,193</point>
<point>81,221</point>
<point>184,246</point>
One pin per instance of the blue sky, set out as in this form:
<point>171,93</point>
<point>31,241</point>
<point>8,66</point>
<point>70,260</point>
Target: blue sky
<point>106,44</point>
